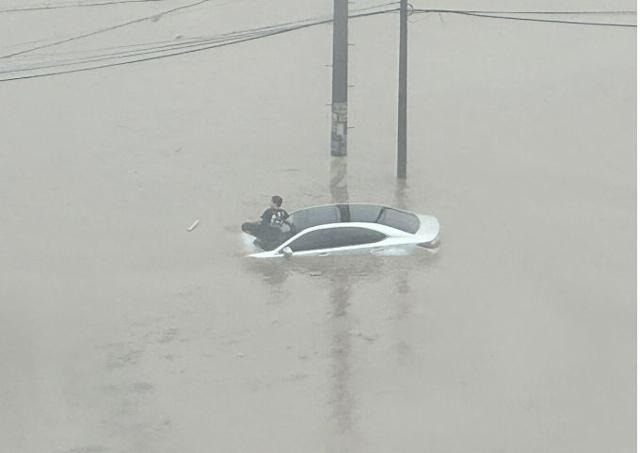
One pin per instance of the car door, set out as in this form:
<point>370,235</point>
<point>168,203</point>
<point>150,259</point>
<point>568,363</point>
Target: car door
<point>339,240</point>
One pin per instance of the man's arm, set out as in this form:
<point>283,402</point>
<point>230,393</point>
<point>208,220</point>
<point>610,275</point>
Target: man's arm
<point>285,217</point>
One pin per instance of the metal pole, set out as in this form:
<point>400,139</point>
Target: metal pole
<point>402,93</point>
<point>339,79</point>
<point>338,180</point>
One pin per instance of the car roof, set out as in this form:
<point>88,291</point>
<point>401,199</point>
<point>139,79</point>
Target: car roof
<point>350,213</point>
<point>366,225</point>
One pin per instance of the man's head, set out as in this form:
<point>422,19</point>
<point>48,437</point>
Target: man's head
<point>276,201</point>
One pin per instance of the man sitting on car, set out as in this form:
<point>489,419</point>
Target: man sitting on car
<point>269,230</point>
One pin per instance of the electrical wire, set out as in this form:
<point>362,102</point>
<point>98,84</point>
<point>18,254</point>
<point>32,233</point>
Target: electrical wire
<point>591,12</point>
<point>137,53</point>
<point>526,19</point>
<point>118,53</point>
<point>105,30</point>
<point>541,12</point>
<point>172,43</point>
<point>75,5</point>
<point>269,31</point>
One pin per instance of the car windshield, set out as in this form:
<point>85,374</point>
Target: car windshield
<point>310,217</point>
<point>360,212</point>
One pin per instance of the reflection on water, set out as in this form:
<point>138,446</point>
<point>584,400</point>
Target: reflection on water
<point>338,173</point>
<point>341,278</point>
<point>342,400</point>
<point>401,194</point>
<point>341,396</point>
<point>343,274</point>
<point>402,280</point>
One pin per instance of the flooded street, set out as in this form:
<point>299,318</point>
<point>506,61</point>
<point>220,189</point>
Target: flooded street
<point>124,332</point>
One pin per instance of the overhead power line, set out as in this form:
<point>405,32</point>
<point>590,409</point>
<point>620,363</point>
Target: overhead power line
<point>74,5</point>
<point>130,54</point>
<point>550,12</point>
<point>106,29</point>
<point>130,51</point>
<point>489,15</point>
<point>192,48</point>
<point>529,11</point>
<point>476,13</point>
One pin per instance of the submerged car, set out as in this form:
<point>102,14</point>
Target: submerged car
<point>352,229</point>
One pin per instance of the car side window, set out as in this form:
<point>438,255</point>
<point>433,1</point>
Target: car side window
<point>335,237</point>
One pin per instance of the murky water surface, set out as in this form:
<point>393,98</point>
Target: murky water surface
<point>124,332</point>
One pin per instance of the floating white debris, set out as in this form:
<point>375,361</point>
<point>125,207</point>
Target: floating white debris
<point>193,225</point>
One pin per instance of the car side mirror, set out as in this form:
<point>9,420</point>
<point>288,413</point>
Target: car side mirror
<point>287,252</point>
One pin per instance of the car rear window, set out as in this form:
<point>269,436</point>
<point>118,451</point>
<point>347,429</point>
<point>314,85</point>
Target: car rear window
<point>335,237</point>
<point>400,220</point>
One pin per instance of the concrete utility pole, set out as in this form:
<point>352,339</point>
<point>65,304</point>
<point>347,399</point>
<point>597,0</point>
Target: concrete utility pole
<point>339,81</point>
<point>402,93</point>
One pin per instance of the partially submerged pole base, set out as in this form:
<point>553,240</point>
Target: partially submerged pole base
<point>338,180</point>
<point>339,129</point>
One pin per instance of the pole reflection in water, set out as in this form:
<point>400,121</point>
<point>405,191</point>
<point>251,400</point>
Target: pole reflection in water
<point>338,187</point>
<point>401,194</point>
<point>341,276</point>
<point>341,397</point>
<point>402,277</point>
<point>342,400</point>
<point>403,304</point>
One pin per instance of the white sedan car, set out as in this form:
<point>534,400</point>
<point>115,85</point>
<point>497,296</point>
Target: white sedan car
<point>353,229</point>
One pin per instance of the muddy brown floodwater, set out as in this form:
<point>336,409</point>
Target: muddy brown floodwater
<point>123,332</point>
